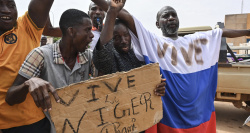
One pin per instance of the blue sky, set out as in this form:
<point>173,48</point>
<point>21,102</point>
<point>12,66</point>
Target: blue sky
<point>191,12</point>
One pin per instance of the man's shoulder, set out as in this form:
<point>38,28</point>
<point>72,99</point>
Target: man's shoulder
<point>22,20</point>
<point>88,53</point>
<point>46,47</point>
<point>47,50</point>
<point>25,22</point>
<point>36,51</point>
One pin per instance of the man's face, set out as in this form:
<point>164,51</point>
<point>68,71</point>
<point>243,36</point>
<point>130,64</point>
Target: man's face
<point>82,35</point>
<point>8,15</point>
<point>95,13</point>
<point>168,21</point>
<point>43,41</point>
<point>121,38</point>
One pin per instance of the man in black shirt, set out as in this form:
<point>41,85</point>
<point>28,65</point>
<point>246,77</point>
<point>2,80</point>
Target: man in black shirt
<point>115,55</point>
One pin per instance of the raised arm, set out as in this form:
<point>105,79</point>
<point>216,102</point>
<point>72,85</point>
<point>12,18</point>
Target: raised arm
<point>39,11</point>
<point>235,33</point>
<point>102,57</point>
<point>107,31</point>
<point>123,15</point>
<point>49,30</point>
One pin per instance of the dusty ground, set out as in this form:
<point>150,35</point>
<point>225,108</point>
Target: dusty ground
<point>229,119</point>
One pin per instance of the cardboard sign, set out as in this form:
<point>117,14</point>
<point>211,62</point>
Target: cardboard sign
<point>117,103</point>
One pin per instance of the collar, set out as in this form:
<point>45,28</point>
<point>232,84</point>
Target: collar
<point>10,31</point>
<point>58,59</point>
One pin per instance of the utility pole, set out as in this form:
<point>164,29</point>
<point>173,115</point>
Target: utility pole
<point>242,6</point>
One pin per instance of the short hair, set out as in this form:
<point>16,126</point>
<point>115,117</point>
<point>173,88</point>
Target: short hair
<point>70,18</point>
<point>158,13</point>
<point>119,21</point>
<point>90,5</point>
<point>44,37</point>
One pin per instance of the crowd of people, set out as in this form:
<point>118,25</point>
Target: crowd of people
<point>90,46</point>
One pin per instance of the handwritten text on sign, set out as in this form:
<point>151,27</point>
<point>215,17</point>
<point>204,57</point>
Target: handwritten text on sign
<point>116,103</point>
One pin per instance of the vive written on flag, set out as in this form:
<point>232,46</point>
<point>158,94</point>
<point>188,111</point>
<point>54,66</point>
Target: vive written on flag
<point>189,64</point>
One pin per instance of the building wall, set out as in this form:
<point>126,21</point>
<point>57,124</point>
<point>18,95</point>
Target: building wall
<point>49,40</point>
<point>240,22</point>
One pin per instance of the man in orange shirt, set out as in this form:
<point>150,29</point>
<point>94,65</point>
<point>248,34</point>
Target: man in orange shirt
<point>18,37</point>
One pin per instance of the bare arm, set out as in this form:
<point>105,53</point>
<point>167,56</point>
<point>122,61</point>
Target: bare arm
<point>123,15</point>
<point>107,31</point>
<point>235,33</point>
<point>49,30</point>
<point>17,92</point>
<point>39,11</point>
<point>38,88</point>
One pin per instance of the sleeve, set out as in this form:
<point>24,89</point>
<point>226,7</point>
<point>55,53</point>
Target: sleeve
<point>209,42</point>
<point>31,29</point>
<point>33,64</point>
<point>103,59</point>
<point>136,46</point>
<point>214,38</point>
<point>144,46</point>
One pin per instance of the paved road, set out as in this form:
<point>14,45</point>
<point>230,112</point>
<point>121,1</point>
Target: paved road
<point>229,119</point>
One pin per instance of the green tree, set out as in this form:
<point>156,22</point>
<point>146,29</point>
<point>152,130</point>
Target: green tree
<point>56,39</point>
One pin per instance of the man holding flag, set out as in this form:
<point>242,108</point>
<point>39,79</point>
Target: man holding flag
<point>189,65</point>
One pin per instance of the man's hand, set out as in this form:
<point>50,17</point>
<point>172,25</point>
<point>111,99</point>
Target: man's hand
<point>123,14</point>
<point>39,90</point>
<point>114,7</point>
<point>160,88</point>
<point>117,4</point>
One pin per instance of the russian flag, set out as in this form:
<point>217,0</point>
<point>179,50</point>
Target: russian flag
<point>190,66</point>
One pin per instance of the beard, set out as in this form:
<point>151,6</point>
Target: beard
<point>167,30</point>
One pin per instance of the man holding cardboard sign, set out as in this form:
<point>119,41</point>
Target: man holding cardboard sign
<point>63,63</point>
<point>117,103</point>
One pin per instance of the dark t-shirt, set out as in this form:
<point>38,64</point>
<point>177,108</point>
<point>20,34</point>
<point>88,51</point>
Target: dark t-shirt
<point>108,60</point>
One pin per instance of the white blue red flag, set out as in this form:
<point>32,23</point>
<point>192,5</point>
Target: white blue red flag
<point>190,65</point>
